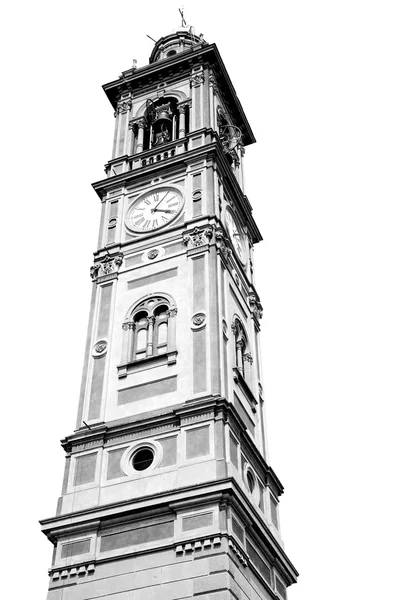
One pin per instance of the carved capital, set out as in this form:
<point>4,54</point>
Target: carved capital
<point>151,320</point>
<point>199,237</point>
<point>172,312</point>
<point>94,271</point>
<point>129,325</point>
<point>248,357</point>
<point>109,264</point>
<point>196,79</point>
<point>124,106</point>
<point>183,106</point>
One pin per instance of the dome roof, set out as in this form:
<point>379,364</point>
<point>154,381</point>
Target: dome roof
<point>180,40</point>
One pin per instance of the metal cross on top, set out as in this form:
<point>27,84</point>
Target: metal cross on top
<point>182,15</point>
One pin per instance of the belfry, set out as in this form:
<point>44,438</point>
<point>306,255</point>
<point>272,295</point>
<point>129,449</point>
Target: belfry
<point>167,491</point>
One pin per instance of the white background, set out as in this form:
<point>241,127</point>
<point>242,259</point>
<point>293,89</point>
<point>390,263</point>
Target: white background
<point>319,81</point>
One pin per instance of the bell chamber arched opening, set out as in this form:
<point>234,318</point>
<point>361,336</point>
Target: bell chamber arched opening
<point>162,122</point>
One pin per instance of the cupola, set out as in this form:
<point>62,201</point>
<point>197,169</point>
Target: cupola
<point>180,40</point>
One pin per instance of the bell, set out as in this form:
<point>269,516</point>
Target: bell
<point>163,115</point>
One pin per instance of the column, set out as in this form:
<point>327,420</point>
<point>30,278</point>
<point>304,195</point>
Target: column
<point>150,331</point>
<point>239,356</point>
<point>182,114</point>
<point>141,125</point>
<point>171,345</point>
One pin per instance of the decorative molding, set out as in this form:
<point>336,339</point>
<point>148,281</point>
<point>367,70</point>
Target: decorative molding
<point>189,547</point>
<point>76,571</point>
<point>243,558</point>
<point>107,266</point>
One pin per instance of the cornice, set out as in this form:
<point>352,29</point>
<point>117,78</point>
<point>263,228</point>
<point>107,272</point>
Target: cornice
<point>225,490</point>
<point>215,405</point>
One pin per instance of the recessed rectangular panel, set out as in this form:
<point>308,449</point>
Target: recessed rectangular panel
<point>199,361</point>
<point>197,442</point>
<point>260,565</point>
<point>85,469</point>
<point>147,390</point>
<point>104,310</point>
<point>243,414</point>
<point>75,548</point>
<point>233,451</point>
<point>169,451</point>
<point>133,537</point>
<point>274,511</point>
<point>197,521</point>
<point>96,389</point>
<point>149,279</point>
<point>237,530</point>
<point>114,464</point>
<point>198,284</point>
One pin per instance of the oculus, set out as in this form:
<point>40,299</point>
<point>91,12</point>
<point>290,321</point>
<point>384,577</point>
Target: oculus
<point>143,458</point>
<point>154,210</point>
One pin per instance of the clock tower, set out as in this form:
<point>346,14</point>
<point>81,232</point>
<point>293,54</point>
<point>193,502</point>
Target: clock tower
<point>168,491</point>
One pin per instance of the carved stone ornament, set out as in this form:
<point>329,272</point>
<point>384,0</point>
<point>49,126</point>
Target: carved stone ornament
<point>198,319</point>
<point>248,357</point>
<point>172,312</point>
<point>124,106</point>
<point>109,264</point>
<point>100,348</point>
<point>255,306</point>
<point>221,243</point>
<point>153,254</point>
<point>196,79</point>
<point>199,237</point>
<point>129,325</point>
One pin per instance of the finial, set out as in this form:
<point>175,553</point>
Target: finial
<point>183,18</point>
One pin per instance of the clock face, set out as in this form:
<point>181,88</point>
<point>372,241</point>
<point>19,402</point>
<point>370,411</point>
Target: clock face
<point>235,235</point>
<point>154,210</point>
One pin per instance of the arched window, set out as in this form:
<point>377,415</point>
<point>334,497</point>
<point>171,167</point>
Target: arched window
<point>242,354</point>
<point>149,331</point>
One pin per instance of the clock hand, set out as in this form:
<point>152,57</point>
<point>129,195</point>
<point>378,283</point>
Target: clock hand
<point>162,210</point>
<point>159,202</point>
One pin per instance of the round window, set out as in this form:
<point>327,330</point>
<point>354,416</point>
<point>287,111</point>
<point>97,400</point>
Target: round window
<point>171,53</point>
<point>250,481</point>
<point>142,459</point>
